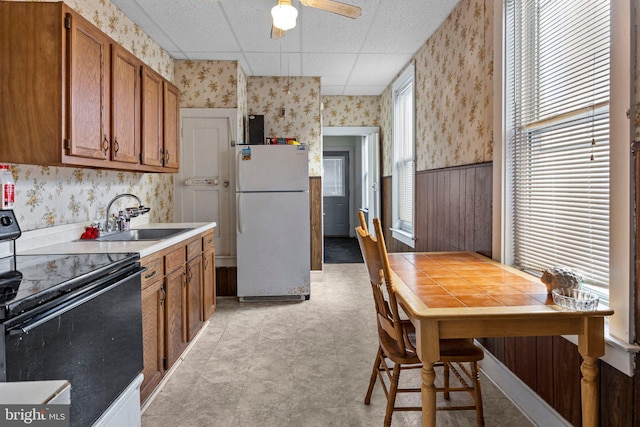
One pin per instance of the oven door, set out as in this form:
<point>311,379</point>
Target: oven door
<point>93,339</point>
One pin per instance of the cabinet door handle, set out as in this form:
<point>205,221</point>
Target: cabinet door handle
<point>163,296</point>
<point>166,160</point>
<point>206,263</point>
<point>105,144</point>
<point>116,147</point>
<point>189,274</point>
<point>149,276</point>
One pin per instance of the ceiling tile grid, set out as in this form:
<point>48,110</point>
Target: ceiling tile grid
<point>352,56</point>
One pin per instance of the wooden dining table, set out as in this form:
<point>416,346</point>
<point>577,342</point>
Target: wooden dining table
<point>467,295</point>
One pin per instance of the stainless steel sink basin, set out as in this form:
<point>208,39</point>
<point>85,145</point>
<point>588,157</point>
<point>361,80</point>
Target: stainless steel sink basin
<point>142,234</point>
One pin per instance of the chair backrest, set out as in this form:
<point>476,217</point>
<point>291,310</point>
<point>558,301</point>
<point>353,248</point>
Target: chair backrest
<point>363,221</point>
<point>374,253</point>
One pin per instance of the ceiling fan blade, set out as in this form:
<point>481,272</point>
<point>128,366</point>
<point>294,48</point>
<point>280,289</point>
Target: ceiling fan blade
<point>276,33</point>
<point>343,9</point>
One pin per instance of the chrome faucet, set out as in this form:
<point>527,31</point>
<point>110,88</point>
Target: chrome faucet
<point>126,213</point>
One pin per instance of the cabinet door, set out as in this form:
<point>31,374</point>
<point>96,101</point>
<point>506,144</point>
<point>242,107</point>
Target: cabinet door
<point>125,106</point>
<point>194,297</point>
<point>208,284</point>
<point>171,128</point>
<point>175,337</point>
<point>88,80</point>
<point>152,337</point>
<point>152,118</point>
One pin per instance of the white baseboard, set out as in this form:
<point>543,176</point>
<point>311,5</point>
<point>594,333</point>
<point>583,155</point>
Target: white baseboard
<point>530,404</point>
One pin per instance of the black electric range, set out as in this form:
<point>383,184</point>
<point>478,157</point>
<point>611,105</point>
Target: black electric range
<point>75,317</point>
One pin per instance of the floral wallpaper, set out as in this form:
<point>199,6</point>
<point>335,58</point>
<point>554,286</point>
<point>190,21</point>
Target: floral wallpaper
<point>49,196</point>
<point>386,131</point>
<point>207,84</point>
<point>300,97</point>
<point>454,90</point>
<point>350,111</point>
<point>213,84</point>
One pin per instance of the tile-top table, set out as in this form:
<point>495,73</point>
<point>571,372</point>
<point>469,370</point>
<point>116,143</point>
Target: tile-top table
<point>466,295</point>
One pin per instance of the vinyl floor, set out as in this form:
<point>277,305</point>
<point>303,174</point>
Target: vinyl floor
<point>297,364</point>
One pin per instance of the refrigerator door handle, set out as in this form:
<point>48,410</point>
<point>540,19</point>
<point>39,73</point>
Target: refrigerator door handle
<point>239,205</point>
<point>239,169</point>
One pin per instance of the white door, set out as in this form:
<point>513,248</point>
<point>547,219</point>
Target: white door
<point>204,186</point>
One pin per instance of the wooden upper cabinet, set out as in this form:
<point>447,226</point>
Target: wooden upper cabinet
<point>72,96</point>
<point>125,106</point>
<point>171,128</point>
<point>152,118</point>
<point>87,82</point>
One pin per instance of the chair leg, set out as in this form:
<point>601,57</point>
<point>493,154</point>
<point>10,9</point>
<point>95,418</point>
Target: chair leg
<point>374,375</point>
<point>446,380</point>
<point>391,399</point>
<point>477,395</point>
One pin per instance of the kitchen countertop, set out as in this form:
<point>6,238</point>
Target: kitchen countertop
<point>143,247</point>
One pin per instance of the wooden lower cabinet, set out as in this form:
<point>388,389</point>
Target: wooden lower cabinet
<point>194,298</point>
<point>178,296</point>
<point>152,336</point>
<point>208,279</point>
<point>176,334</point>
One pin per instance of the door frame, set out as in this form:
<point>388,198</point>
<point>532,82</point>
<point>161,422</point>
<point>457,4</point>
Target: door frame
<point>373,137</point>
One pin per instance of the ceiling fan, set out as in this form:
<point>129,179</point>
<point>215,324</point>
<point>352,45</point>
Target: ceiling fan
<point>284,14</point>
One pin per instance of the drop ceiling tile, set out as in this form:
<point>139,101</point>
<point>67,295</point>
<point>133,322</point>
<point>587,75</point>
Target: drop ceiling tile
<point>334,68</point>
<point>404,27</point>
<point>268,64</point>
<point>377,69</point>
<point>193,25</point>
<point>327,32</point>
<point>331,90</point>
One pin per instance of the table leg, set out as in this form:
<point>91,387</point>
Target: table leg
<point>590,346</point>
<point>428,349</point>
<point>589,391</point>
<point>428,395</point>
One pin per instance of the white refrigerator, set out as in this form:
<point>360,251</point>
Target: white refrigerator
<point>272,222</point>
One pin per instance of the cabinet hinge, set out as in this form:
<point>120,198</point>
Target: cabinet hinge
<point>67,21</point>
<point>67,143</point>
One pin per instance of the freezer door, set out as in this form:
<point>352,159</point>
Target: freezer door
<point>273,244</point>
<point>272,168</point>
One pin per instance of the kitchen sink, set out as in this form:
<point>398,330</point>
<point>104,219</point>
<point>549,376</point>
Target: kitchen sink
<point>142,234</point>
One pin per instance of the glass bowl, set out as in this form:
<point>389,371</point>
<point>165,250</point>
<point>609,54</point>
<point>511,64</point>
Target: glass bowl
<point>575,299</point>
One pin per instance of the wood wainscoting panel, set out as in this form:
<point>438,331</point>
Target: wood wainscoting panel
<point>616,397</point>
<point>315,213</point>
<point>453,209</point>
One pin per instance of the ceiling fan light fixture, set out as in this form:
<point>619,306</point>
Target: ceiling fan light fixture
<point>284,15</point>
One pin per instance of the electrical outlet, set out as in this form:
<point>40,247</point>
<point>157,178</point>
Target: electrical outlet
<point>283,112</point>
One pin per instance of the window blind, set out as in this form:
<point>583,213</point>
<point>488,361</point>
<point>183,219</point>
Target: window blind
<point>558,98</point>
<point>404,156</point>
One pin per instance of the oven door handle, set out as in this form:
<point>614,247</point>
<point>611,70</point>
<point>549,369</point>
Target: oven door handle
<point>29,325</point>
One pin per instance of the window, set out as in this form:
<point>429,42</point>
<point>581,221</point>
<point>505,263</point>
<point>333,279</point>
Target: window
<point>403,174</point>
<point>333,184</point>
<point>558,75</point>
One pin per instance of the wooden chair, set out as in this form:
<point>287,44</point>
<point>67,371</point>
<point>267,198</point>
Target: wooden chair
<point>397,339</point>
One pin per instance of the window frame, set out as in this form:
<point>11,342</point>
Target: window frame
<point>619,327</point>
<point>399,230</point>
